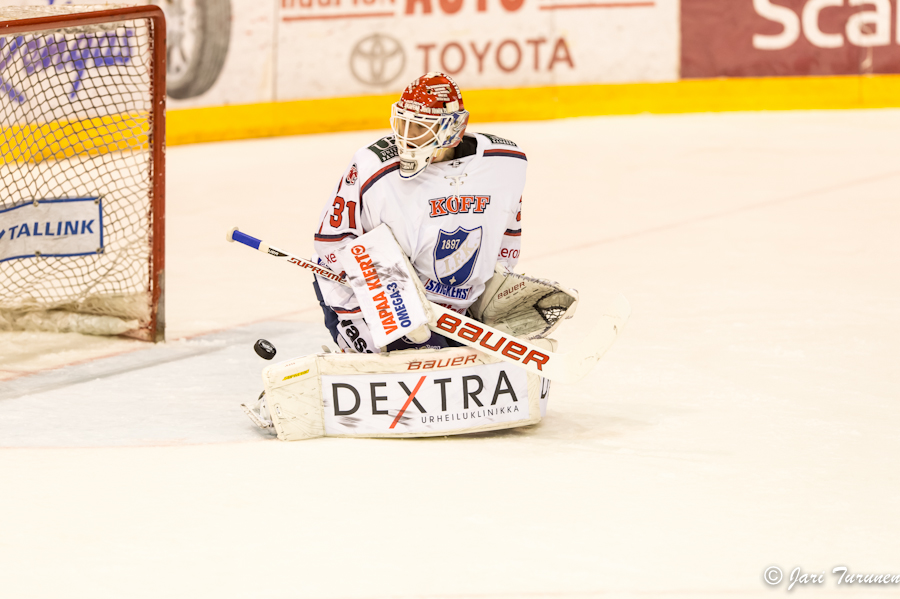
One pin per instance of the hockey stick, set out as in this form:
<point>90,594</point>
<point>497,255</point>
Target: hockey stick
<point>570,367</point>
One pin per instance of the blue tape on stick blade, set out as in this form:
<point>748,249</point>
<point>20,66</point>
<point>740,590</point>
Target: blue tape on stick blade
<point>246,239</point>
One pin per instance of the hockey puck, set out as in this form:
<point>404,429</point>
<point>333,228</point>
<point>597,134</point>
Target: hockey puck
<point>264,349</point>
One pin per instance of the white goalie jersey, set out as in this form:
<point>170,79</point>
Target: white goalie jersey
<point>456,221</point>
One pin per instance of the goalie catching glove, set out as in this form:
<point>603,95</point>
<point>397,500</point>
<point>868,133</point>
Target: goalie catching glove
<point>524,306</point>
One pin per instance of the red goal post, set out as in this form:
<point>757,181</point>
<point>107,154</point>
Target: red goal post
<point>82,169</point>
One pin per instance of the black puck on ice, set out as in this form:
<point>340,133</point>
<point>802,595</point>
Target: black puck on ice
<point>264,349</point>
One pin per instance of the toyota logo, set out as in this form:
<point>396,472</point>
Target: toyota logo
<point>377,59</point>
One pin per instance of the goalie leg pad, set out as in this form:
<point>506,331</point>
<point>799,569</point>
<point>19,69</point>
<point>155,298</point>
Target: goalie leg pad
<point>418,393</point>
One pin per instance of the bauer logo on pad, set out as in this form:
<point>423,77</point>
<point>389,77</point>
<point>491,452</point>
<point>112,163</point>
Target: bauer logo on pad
<point>58,227</point>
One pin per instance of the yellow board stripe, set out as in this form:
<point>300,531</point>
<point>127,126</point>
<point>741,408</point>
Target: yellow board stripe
<point>527,104</point>
<point>63,139</point>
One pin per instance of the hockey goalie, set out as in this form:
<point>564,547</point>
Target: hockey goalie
<point>414,271</point>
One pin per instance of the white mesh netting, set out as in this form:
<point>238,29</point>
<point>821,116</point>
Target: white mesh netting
<point>75,122</point>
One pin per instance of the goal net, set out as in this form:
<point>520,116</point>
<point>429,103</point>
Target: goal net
<point>82,134</point>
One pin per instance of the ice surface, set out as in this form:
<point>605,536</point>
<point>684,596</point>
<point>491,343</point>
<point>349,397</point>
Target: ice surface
<point>747,417</point>
<point>186,391</point>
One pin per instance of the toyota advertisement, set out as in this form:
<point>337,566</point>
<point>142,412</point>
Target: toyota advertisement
<point>329,48</point>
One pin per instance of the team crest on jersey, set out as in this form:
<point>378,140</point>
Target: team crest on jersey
<point>352,176</point>
<point>455,255</point>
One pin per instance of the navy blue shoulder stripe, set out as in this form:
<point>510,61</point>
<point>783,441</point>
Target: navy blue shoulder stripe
<point>506,153</point>
<point>374,178</point>
<point>320,237</point>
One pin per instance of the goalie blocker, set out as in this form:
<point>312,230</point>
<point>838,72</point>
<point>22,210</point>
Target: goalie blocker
<point>414,393</point>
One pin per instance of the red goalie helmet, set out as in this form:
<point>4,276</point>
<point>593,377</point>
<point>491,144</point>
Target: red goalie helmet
<point>429,116</point>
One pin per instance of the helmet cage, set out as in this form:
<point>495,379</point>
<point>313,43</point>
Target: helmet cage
<point>434,132</point>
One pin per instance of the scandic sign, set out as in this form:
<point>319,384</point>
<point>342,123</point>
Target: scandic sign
<point>759,38</point>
